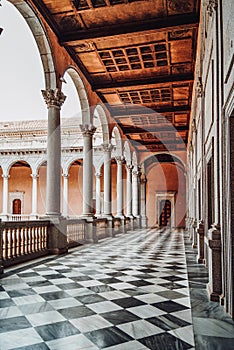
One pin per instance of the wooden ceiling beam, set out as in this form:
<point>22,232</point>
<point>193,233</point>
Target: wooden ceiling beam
<point>154,130</point>
<point>129,110</point>
<point>149,82</point>
<point>176,22</point>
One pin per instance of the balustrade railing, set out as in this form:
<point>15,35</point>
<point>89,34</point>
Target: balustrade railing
<point>23,240</point>
<point>75,232</point>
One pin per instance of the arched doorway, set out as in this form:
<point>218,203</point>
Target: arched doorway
<point>16,206</point>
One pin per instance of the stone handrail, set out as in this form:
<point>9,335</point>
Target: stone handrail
<point>22,241</point>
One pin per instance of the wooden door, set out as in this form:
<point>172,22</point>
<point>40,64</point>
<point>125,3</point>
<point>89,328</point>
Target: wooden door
<point>16,206</point>
<point>165,210</point>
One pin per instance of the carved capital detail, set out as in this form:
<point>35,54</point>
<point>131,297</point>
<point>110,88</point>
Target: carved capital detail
<point>107,147</point>
<point>87,129</point>
<point>53,98</point>
<point>143,179</point>
<point>65,175</point>
<point>129,167</point>
<point>120,160</point>
<point>212,7</point>
<point>98,175</point>
<point>34,176</point>
<point>199,87</point>
<point>5,176</point>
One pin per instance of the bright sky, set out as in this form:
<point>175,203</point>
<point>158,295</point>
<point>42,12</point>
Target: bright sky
<point>21,72</point>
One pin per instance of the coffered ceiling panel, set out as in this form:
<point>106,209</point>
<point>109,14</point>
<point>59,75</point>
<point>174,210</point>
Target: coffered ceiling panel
<point>134,53</point>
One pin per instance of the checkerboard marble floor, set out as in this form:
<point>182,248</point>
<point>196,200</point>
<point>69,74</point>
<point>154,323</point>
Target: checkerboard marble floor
<point>125,293</point>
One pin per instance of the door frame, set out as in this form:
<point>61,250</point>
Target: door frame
<point>165,195</point>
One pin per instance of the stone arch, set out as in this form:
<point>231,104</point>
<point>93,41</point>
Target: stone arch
<point>100,113</point>
<point>134,159</point>
<point>173,156</point>
<point>82,94</point>
<point>127,152</point>
<point>41,39</point>
<point>118,141</point>
<point>39,164</point>
<point>16,160</point>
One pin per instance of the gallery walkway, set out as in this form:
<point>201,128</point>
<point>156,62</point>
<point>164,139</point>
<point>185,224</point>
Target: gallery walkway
<point>126,293</point>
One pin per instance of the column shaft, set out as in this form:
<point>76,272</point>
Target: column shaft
<point>129,191</point>
<point>88,131</point>
<point>65,195</point>
<point>5,194</point>
<point>135,193</point>
<point>98,193</point>
<point>107,179</point>
<point>34,193</point>
<point>54,100</point>
<point>119,187</point>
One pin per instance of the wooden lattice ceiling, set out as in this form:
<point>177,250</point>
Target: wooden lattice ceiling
<point>134,53</point>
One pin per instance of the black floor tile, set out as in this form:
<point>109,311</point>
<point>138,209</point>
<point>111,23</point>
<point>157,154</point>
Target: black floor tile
<point>164,341</point>
<point>56,330</point>
<point>108,337</point>
<point>170,306</point>
<point>120,316</point>
<point>14,323</point>
<point>128,302</point>
<point>39,346</point>
<point>167,322</point>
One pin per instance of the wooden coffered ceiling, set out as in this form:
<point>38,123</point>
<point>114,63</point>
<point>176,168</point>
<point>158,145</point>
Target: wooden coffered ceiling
<point>139,56</point>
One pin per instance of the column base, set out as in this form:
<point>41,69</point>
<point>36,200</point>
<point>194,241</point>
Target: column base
<point>201,261</point>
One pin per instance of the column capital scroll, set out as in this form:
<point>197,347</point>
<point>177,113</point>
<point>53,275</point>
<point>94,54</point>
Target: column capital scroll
<point>98,175</point>
<point>66,175</point>
<point>107,147</point>
<point>120,159</point>
<point>129,167</point>
<point>87,129</point>
<point>212,7</point>
<point>53,97</point>
<point>34,176</point>
<point>5,176</point>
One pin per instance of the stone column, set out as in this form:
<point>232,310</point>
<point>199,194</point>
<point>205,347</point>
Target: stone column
<point>194,226</point>
<point>54,100</point>
<point>119,187</point>
<point>215,263</point>
<point>135,197</point>
<point>98,193</point>
<point>107,148</point>
<point>88,131</point>
<point>65,194</point>
<point>129,191</point>
<point>201,242</point>
<point>5,194</point>
<point>135,193</point>
<point>34,194</point>
<point>144,220</point>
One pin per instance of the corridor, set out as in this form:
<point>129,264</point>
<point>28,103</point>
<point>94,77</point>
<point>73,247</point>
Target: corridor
<point>126,293</point>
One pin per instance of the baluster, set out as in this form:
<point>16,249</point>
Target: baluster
<point>20,229</point>
<point>31,239</point>
<point>23,232</point>
<point>27,238</point>
<point>10,241</point>
<point>5,244</point>
<point>14,236</point>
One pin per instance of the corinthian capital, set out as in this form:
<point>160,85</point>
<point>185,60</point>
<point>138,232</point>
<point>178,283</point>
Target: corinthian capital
<point>212,6</point>
<point>87,129</point>
<point>107,147</point>
<point>53,98</point>
<point>120,159</point>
